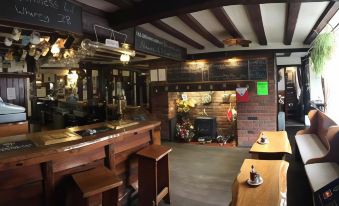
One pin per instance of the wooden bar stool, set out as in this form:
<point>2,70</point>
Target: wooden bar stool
<point>98,186</point>
<point>153,175</point>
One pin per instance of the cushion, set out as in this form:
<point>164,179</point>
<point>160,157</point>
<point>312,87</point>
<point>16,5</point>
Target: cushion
<point>320,174</point>
<point>310,146</point>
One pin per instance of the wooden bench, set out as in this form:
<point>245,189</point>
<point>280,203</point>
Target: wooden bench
<point>320,177</point>
<point>320,141</point>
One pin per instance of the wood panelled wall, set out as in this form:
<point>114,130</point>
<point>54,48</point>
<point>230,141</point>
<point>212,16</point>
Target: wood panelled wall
<point>20,85</point>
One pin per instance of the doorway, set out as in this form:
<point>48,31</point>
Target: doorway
<point>290,95</point>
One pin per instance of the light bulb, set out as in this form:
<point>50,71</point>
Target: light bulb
<point>124,58</point>
<point>55,49</point>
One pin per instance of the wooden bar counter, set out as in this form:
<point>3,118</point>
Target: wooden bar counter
<point>41,175</point>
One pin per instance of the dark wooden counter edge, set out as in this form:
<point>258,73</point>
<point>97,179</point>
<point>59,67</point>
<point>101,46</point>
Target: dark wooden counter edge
<point>25,157</point>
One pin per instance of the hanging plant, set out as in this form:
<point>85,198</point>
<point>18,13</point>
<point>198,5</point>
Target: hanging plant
<point>322,50</point>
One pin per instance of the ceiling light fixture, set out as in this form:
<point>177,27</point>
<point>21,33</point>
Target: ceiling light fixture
<point>16,34</point>
<point>35,38</point>
<point>125,58</point>
<point>55,49</point>
<point>8,41</point>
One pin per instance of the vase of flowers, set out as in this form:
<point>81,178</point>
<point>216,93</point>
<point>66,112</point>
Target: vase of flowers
<point>184,107</point>
<point>184,130</point>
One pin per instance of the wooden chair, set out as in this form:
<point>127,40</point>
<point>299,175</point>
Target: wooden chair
<point>153,175</point>
<point>98,186</point>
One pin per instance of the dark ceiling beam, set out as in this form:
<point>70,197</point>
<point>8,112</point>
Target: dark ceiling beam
<point>191,22</point>
<point>177,34</point>
<point>226,22</point>
<point>292,13</point>
<point>140,56</point>
<point>325,17</point>
<point>89,9</point>
<point>121,3</point>
<point>254,14</point>
<point>152,10</point>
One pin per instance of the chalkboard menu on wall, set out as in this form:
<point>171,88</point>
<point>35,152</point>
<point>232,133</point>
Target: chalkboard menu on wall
<point>257,69</point>
<point>56,14</point>
<point>151,44</point>
<point>229,70</point>
<point>243,69</point>
<point>186,72</point>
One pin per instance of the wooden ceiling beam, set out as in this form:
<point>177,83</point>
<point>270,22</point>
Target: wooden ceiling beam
<point>325,17</point>
<point>292,13</point>
<point>255,18</point>
<point>121,3</point>
<point>177,34</point>
<point>191,22</point>
<point>226,22</point>
<point>152,10</point>
<point>89,9</point>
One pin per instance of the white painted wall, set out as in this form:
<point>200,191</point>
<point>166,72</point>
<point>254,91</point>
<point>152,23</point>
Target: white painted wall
<point>315,86</point>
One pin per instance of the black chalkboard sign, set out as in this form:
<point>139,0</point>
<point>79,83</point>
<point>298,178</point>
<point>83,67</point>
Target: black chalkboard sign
<point>151,44</point>
<point>184,73</point>
<point>229,70</point>
<point>56,14</point>
<point>257,69</point>
<point>11,146</point>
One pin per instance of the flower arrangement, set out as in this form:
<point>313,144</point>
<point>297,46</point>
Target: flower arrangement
<point>184,130</point>
<point>184,106</point>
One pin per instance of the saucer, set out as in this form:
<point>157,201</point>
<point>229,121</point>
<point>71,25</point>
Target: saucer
<point>260,142</point>
<point>255,183</point>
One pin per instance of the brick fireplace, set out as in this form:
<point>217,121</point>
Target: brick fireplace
<point>260,113</point>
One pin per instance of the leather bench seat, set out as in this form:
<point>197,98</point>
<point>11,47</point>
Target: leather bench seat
<point>310,147</point>
<point>321,174</point>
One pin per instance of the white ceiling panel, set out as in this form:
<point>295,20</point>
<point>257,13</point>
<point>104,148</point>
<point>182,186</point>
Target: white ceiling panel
<point>273,17</point>
<point>308,15</point>
<point>176,23</point>
<point>160,33</point>
<point>208,20</point>
<point>100,4</point>
<point>239,17</point>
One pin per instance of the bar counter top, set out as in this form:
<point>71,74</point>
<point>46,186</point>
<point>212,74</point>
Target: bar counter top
<point>43,153</point>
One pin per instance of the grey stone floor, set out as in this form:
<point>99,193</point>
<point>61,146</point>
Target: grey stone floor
<point>202,175</point>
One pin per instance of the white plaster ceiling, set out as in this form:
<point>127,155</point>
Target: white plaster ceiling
<point>205,18</point>
<point>308,15</point>
<point>273,15</point>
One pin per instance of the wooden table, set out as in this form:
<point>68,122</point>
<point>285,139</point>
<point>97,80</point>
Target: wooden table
<point>270,193</point>
<point>277,147</point>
